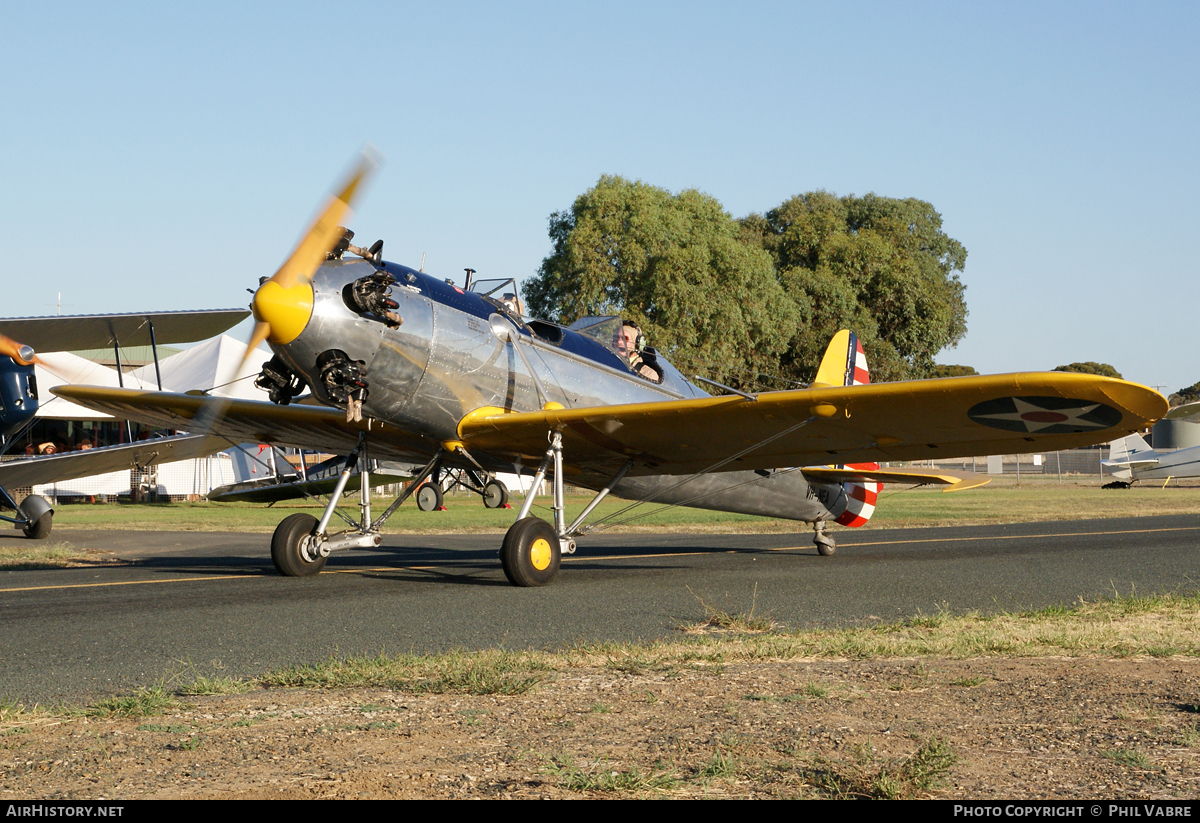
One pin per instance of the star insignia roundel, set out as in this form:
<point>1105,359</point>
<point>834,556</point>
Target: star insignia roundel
<point>1045,415</point>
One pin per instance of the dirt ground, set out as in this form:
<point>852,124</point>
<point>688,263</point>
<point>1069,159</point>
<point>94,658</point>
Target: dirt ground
<point>980,729</point>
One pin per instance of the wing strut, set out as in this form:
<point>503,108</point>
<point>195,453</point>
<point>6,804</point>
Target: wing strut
<point>421,477</point>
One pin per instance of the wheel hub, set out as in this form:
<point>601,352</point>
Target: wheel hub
<point>539,554</point>
<point>308,549</point>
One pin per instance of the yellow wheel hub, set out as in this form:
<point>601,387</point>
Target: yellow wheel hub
<point>539,554</point>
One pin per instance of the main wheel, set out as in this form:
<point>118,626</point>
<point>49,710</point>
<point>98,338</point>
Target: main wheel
<point>495,494</point>
<point>39,515</point>
<point>293,538</point>
<point>429,497</point>
<point>530,554</point>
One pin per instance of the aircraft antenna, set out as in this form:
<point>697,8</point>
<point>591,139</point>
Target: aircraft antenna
<point>422,269</point>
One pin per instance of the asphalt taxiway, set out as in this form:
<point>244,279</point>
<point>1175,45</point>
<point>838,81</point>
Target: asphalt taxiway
<point>210,603</point>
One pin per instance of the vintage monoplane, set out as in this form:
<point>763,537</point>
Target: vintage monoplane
<point>450,376</point>
<point>1131,458</point>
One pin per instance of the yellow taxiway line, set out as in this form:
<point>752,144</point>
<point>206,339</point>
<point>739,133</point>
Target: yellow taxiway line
<point>606,557</point>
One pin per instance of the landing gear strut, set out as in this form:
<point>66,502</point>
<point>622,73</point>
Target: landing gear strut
<point>825,545</point>
<point>479,481</point>
<point>532,547</point>
<point>301,544</point>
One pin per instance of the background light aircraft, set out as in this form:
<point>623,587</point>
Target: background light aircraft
<point>19,398</point>
<point>420,369</point>
<point>1132,459</point>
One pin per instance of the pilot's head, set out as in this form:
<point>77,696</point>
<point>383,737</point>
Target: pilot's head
<point>628,338</point>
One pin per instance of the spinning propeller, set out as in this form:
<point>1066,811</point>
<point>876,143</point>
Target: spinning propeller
<point>283,302</point>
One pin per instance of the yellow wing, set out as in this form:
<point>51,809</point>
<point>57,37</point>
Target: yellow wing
<point>915,420</point>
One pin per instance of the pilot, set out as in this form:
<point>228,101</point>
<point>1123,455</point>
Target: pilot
<point>631,345</point>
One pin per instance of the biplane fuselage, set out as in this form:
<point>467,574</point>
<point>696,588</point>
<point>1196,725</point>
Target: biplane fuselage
<point>452,355</point>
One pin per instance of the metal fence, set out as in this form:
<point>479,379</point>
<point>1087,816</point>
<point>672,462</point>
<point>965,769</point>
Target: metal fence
<point>1069,463</point>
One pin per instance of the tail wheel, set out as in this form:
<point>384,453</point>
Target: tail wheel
<point>294,549</point>
<point>495,494</point>
<point>40,529</point>
<point>39,517</point>
<point>429,497</point>
<point>531,553</point>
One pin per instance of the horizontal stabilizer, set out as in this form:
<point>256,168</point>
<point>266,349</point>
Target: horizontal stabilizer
<point>955,481</point>
<point>1132,451</point>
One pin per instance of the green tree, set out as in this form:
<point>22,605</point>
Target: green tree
<point>678,265</point>
<point>940,370</point>
<point>1190,394</point>
<point>878,265</point>
<point>1090,367</point>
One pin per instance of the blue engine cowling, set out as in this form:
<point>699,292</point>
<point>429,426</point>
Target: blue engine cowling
<point>18,395</point>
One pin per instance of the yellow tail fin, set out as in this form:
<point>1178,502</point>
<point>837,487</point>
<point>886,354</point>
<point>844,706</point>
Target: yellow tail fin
<point>844,363</point>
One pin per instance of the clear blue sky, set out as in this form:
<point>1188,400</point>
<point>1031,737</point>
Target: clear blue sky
<point>161,157</point>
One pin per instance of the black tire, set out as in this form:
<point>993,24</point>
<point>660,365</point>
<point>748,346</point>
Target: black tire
<point>530,554</point>
<point>39,517</point>
<point>40,529</point>
<point>826,549</point>
<point>285,547</point>
<point>429,497</point>
<point>495,494</point>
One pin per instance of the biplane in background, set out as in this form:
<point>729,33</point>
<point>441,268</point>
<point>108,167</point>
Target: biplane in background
<point>19,398</point>
<point>419,369</point>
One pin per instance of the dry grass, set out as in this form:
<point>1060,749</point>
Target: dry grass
<point>43,554</point>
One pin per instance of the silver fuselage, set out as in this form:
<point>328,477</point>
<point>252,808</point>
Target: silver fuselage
<point>452,355</point>
<point>1182,463</point>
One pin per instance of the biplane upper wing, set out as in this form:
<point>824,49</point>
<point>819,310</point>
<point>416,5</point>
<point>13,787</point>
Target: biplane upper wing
<point>54,468</point>
<point>1188,411</point>
<point>252,421</point>
<point>98,331</point>
<point>915,420</point>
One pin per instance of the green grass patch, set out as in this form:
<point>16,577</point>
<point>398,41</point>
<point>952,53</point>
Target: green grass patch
<point>142,703</point>
<point>866,777</point>
<point>1129,757</point>
<point>486,672</point>
<point>969,682</point>
<point>216,685</point>
<point>603,778</point>
<point>1002,501</point>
